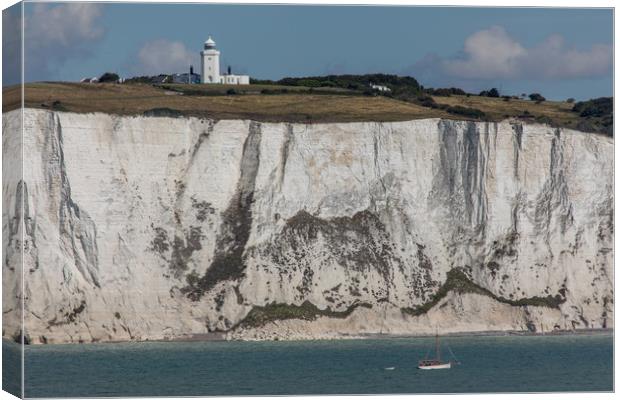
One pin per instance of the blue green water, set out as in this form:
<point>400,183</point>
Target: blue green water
<point>488,364</point>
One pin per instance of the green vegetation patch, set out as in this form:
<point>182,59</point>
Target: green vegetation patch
<point>597,115</point>
<point>425,100</point>
<point>350,82</point>
<point>466,112</point>
<point>307,311</point>
<point>457,281</point>
<point>163,112</point>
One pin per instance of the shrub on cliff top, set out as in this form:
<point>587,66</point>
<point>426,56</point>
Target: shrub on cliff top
<point>595,107</point>
<point>109,77</point>
<point>466,112</point>
<point>490,93</point>
<point>537,97</point>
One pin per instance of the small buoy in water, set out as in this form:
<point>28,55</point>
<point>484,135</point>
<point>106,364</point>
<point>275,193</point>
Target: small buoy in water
<point>389,368</point>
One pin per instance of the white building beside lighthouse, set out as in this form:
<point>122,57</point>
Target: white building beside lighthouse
<point>210,67</point>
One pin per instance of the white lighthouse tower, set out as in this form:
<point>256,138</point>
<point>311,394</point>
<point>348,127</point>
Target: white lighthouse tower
<point>210,65</point>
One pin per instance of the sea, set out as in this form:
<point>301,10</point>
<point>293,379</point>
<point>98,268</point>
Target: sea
<point>366,366</point>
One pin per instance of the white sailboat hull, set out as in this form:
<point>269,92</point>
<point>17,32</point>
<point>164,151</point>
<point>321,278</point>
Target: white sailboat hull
<point>437,366</point>
<point>435,363</point>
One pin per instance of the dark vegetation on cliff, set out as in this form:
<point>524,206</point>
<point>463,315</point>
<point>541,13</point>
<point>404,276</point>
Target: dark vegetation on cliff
<point>318,99</point>
<point>596,114</point>
<point>260,316</point>
<point>457,281</point>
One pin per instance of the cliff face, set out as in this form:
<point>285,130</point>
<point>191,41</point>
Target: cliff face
<point>149,228</point>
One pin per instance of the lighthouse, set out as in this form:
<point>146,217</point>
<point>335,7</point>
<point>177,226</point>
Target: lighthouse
<point>210,67</point>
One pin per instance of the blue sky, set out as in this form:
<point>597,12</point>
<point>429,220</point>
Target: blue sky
<point>558,52</point>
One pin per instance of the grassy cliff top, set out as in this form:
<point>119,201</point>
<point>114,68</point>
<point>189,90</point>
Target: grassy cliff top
<point>296,105</point>
<point>276,103</point>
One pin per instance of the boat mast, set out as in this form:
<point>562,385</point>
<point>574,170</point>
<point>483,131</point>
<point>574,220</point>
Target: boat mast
<point>437,346</point>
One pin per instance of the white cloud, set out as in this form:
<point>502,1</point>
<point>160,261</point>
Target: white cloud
<point>55,34</point>
<point>64,25</point>
<point>492,54</point>
<point>165,57</point>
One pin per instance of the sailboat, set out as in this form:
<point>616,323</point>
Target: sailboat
<point>435,363</point>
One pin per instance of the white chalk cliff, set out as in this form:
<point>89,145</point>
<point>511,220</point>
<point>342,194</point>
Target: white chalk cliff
<point>144,228</point>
